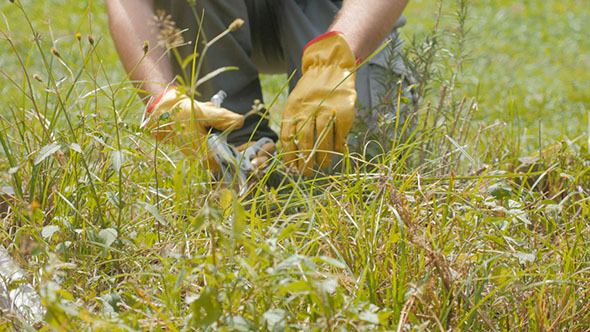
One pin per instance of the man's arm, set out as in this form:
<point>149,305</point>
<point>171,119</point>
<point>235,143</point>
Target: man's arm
<point>365,24</point>
<point>131,23</point>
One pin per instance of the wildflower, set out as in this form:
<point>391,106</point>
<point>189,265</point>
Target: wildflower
<point>35,205</point>
<point>79,36</point>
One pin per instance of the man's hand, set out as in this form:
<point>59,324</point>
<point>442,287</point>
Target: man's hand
<point>320,110</point>
<point>177,118</point>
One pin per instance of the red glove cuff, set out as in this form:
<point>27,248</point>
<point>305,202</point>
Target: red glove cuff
<point>325,35</point>
<point>153,104</point>
<point>320,37</point>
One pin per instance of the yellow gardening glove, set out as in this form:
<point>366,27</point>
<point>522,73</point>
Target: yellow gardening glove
<point>320,110</point>
<point>175,117</point>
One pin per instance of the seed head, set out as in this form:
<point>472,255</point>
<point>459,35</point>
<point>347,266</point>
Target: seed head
<point>146,47</point>
<point>236,24</point>
<point>55,52</point>
<point>91,40</point>
<point>38,77</point>
<point>170,35</point>
<point>36,37</point>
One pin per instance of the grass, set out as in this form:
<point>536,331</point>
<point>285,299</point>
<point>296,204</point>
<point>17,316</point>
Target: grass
<point>448,231</point>
<point>527,56</point>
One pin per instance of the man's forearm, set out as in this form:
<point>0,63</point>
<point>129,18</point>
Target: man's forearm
<point>131,23</point>
<point>366,23</point>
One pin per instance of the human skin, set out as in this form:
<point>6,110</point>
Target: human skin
<point>364,24</point>
<point>151,71</point>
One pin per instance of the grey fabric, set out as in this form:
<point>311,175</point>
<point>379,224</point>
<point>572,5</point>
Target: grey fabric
<point>377,127</point>
<point>272,41</point>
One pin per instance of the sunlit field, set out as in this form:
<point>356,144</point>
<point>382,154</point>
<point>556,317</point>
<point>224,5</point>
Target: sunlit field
<point>475,218</point>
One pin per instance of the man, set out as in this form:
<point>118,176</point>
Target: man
<point>320,41</point>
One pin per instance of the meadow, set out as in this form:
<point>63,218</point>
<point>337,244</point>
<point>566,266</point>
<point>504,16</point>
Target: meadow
<point>475,220</point>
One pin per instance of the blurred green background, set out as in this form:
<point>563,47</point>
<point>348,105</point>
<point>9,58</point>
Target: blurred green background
<point>530,55</point>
